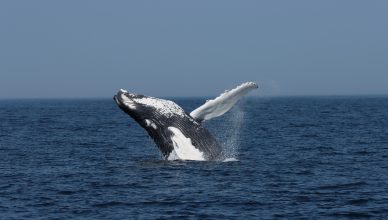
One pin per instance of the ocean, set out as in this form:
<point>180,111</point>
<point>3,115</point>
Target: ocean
<point>289,158</point>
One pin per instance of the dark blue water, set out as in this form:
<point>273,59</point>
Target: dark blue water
<point>312,157</point>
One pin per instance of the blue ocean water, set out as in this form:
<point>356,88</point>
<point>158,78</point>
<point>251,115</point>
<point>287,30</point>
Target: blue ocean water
<point>297,157</point>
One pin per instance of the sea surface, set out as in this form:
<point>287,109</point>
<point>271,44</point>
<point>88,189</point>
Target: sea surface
<point>290,158</point>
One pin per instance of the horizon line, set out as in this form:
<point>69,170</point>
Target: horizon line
<point>199,97</point>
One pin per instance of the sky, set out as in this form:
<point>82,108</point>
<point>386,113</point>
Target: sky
<point>90,49</point>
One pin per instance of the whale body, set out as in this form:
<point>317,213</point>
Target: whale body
<point>179,135</point>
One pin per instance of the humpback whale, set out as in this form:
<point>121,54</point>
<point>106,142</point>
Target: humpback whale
<point>177,134</point>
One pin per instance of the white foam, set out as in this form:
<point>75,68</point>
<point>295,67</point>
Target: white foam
<point>173,156</point>
<point>230,160</point>
<point>223,103</point>
<point>183,147</point>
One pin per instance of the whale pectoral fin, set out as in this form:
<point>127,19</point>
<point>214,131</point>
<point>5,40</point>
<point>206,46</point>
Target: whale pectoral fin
<point>223,103</point>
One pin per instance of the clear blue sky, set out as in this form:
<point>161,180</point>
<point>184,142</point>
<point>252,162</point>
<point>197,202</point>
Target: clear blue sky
<point>92,48</point>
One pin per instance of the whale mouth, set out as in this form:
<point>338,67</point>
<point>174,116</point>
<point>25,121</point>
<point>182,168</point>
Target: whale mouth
<point>124,99</point>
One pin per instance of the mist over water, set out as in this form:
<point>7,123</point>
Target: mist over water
<point>232,144</point>
<point>227,130</point>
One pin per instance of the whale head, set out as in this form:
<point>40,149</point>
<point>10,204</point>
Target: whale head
<point>145,108</point>
<point>128,102</point>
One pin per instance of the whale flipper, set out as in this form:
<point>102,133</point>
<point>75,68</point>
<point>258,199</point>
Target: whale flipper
<point>223,103</point>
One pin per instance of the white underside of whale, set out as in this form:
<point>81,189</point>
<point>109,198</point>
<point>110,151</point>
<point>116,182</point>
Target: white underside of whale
<point>183,147</point>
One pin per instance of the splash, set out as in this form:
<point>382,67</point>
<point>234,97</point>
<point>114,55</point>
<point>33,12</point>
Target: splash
<point>228,130</point>
<point>230,160</point>
<point>232,141</point>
